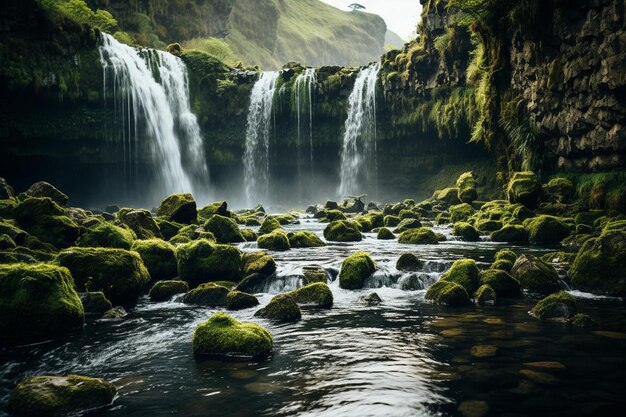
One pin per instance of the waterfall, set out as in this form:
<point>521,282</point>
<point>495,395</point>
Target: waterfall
<point>256,153</point>
<point>358,153</point>
<point>152,112</point>
<point>303,98</point>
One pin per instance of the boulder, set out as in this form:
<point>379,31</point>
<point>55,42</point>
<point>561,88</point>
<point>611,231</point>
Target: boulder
<point>501,282</point>
<point>511,233</point>
<point>385,234</point>
<point>352,205</point>
<point>466,232</point>
<point>505,254</point>
<point>95,302</point>
<point>219,207</point>
<point>158,256</point>
<point>485,295</point>
<point>447,293</point>
<point>139,221</point>
<point>221,336</point>
<point>407,224</point>
<point>116,313</point>
<point>277,240</point>
<point>371,299</point>
<point>391,221</point>
<point>502,264</point>
<point>252,283</point>
<point>524,188</point>
<point>448,195</point>
<point>180,208</point>
<point>460,212</point>
<point>420,236</point>
<point>355,269</point>
<point>409,262</point>
<point>44,189</point>
<point>269,225</point>
<point>314,273</point>
<point>342,231</point>
<point>305,239</point>
<point>47,221</point>
<point>166,289</point>
<point>557,306</point>
<point>465,273</point>
<point>546,229</point>
<point>202,261</point>
<point>258,262</point>
<point>317,293</point>
<point>106,235</point>
<point>558,190</point>
<point>282,308</point>
<point>224,229</point>
<point>535,275</point>
<point>168,229</point>
<point>584,321</point>
<point>466,185</point>
<point>209,294</point>
<point>237,300</point>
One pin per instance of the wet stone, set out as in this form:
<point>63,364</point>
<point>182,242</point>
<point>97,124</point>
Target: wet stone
<point>542,378</point>
<point>484,351</point>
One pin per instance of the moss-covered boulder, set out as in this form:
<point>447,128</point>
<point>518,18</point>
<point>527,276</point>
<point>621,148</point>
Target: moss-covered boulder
<point>203,261</point>
<point>391,220</point>
<point>305,239</point>
<point>180,208</point>
<point>168,229</point>
<point>409,262</point>
<point>342,231</point>
<point>465,273</point>
<point>47,221</point>
<point>546,229</point>
<point>506,254</point>
<point>511,233</point>
<point>485,295</point>
<point>327,215</point>
<point>460,212</point>
<point>557,306</point>
<point>47,190</point>
<point>385,234</point>
<point>158,256</point>
<point>502,264</point>
<point>166,289</point>
<point>524,188</point>
<point>249,235</point>
<point>221,336</point>
<point>209,294</point>
<point>6,242</point>
<point>277,240</point>
<point>535,275</point>
<point>317,293</point>
<point>139,221</point>
<point>118,273</point>
<point>95,302</point>
<point>57,396</point>
<point>584,321</point>
<point>420,236</point>
<point>224,229</point>
<point>501,282</point>
<point>600,265</point>
<point>466,185</point>
<point>258,262</point>
<point>314,273</point>
<point>466,232</point>
<point>218,207</point>
<point>282,308</point>
<point>355,269</point>
<point>37,303</point>
<point>238,300</point>
<point>447,195</point>
<point>407,224</point>
<point>269,225</point>
<point>106,235</point>
<point>447,293</point>
<point>558,190</point>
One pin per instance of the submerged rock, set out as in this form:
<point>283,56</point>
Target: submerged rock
<point>180,208</point>
<point>224,229</point>
<point>202,261</point>
<point>221,336</point>
<point>50,396</point>
<point>342,231</point>
<point>282,308</point>
<point>237,300</point>
<point>535,275</point>
<point>165,290</point>
<point>557,306</point>
<point>209,294</point>
<point>253,282</point>
<point>159,257</point>
<point>584,321</point>
<point>355,269</point>
<point>95,302</point>
<point>317,293</point>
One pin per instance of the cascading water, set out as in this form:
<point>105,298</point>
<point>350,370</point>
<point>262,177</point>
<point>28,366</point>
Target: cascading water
<point>150,92</point>
<point>256,152</point>
<point>303,98</point>
<point>359,140</point>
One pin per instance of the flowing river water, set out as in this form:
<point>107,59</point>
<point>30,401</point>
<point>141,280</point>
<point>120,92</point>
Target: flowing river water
<point>404,357</point>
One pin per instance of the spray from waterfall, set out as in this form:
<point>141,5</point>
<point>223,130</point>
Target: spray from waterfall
<point>303,97</point>
<point>150,94</point>
<point>257,146</point>
<point>358,152</point>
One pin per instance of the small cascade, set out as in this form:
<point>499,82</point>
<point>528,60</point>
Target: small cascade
<point>358,153</point>
<point>256,153</point>
<point>152,116</point>
<point>304,87</point>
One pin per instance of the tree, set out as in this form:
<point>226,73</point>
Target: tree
<point>356,6</point>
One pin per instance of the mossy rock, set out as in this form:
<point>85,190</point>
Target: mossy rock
<point>546,229</point>
<point>407,224</point>
<point>59,231</point>
<point>95,302</point>
<point>224,229</point>
<point>505,254</point>
<point>420,236</point>
<point>484,295</point>
<point>501,282</point>
<point>448,195</point>
<point>180,208</point>
<point>249,235</point>
<point>385,234</point>
<point>118,273</point>
<point>442,218</point>
<point>209,294</point>
<point>465,273</point>
<point>583,229</point>
<point>166,289</point>
<point>589,217</point>
<point>52,396</point>
<point>305,239</point>
<point>409,262</point>
<point>221,336</point>
<point>460,212</point>
<point>511,233</point>
<point>106,235</point>
<point>116,313</point>
<point>447,293</point>
<point>282,308</point>
<point>158,256</point>
<point>317,293</point>
<point>342,231</point>
<point>202,261</point>
<point>331,215</point>
<point>29,209</point>
<point>13,231</point>
<point>139,221</point>
<point>502,264</point>
<point>218,207</point>
<point>584,321</point>
<point>7,206</point>
<point>43,189</point>
<point>269,225</point>
<point>314,273</point>
<point>559,257</point>
<point>258,262</point>
<point>355,269</point>
<point>391,221</point>
<point>6,242</point>
<point>488,226</point>
<point>286,219</point>
<point>558,190</point>
<point>535,275</point>
<point>277,240</point>
<point>600,265</point>
<point>466,185</point>
<point>37,303</point>
<point>168,229</point>
<point>557,306</point>
<point>466,232</point>
<point>237,300</point>
<point>524,188</point>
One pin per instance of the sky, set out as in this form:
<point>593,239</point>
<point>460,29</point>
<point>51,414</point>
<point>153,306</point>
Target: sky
<point>401,16</point>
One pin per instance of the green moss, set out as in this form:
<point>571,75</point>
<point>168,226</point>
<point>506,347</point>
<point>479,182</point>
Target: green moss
<point>59,395</point>
<point>502,283</point>
<point>209,294</point>
<point>355,269</point>
<point>224,229</point>
<point>314,273</point>
<point>524,188</point>
<point>447,293</point>
<point>391,221</point>
<point>467,188</point>
<point>511,233</point>
<point>559,257</point>
<point>546,229</point>
<point>466,232</point>
<point>249,235</point>
<point>419,236</point>
<point>7,206</point>
<point>106,235</point>
<point>342,231</point>
<point>219,207</point>
<point>305,239</point>
<point>385,234</point>
<point>584,321</point>
<point>282,308</point>
<point>485,294</point>
<point>409,262</point>
<point>118,273</point>
<point>6,242</point>
<point>505,254</point>
<point>202,261</point>
<point>449,195</point>
<point>180,208</point>
<point>317,293</point>
<point>407,224</point>
<point>465,273</point>
<point>237,300</point>
<point>224,337</point>
<point>139,221</point>
<point>486,225</point>
<point>269,225</point>
<point>559,306</point>
<point>59,231</point>
<point>460,212</point>
<point>37,302</point>
<point>502,264</point>
<point>276,240</point>
<point>95,302</point>
<point>258,262</point>
<point>165,290</point>
<point>332,215</point>
<point>29,209</point>
<point>558,190</point>
<point>228,284</point>
<point>535,275</point>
